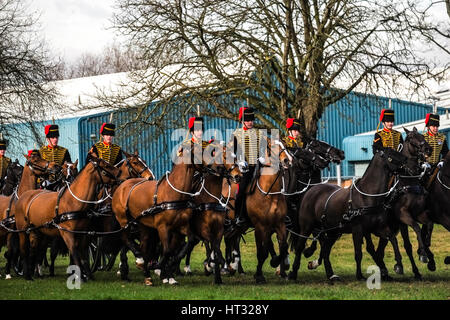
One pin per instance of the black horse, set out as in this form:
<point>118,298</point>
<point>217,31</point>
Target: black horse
<point>408,204</point>
<point>438,200</point>
<point>12,178</point>
<point>329,210</point>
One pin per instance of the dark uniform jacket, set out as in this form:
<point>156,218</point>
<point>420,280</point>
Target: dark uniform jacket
<point>4,163</point>
<point>111,153</point>
<point>439,144</point>
<point>386,139</point>
<point>56,154</point>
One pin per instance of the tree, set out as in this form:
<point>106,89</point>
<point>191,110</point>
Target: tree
<point>283,57</point>
<point>25,71</point>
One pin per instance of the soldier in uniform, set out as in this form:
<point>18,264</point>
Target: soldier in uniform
<point>436,140</point>
<point>52,151</point>
<point>387,137</point>
<point>247,141</point>
<point>106,149</point>
<point>4,162</point>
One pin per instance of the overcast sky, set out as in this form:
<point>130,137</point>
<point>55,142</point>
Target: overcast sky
<point>72,27</point>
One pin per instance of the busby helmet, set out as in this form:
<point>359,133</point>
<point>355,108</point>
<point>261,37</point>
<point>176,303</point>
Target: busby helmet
<point>108,129</point>
<point>387,115</point>
<point>51,131</point>
<point>195,122</point>
<point>33,152</point>
<point>432,120</point>
<point>246,114</point>
<point>3,144</point>
<point>293,124</point>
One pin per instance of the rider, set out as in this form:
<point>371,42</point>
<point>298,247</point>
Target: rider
<point>247,148</point>
<point>436,140</point>
<point>106,149</point>
<point>4,162</point>
<point>53,152</point>
<point>387,137</point>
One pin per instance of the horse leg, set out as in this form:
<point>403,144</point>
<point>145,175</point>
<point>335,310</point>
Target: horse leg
<point>327,246</point>
<point>426,232</point>
<point>283,258</point>
<point>11,255</point>
<point>187,267</point>
<point>24,243</point>
<point>408,248</point>
<point>300,246</point>
<point>82,244</point>
<point>34,251</point>
<point>70,241</point>
<point>406,218</point>
<point>357,237</point>
<point>378,255</point>
<point>261,238</point>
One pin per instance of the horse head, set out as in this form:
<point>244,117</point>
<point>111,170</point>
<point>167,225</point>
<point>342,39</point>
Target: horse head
<point>221,161</point>
<point>394,160</point>
<point>70,170</point>
<point>306,159</point>
<point>278,152</point>
<point>107,173</point>
<point>14,172</point>
<point>40,166</point>
<point>136,167</point>
<point>326,151</point>
<point>415,145</point>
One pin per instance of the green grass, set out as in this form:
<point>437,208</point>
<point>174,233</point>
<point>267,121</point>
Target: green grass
<point>310,284</point>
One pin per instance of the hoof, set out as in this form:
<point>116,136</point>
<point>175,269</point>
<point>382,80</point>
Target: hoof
<point>360,277</point>
<point>260,279</point>
<point>431,265</point>
<point>334,278</point>
<point>292,276</point>
<point>275,262</point>
<point>423,259</point>
<point>418,277</point>
<point>187,270</point>
<point>8,276</point>
<point>313,264</point>
<point>157,272</point>
<point>140,263</point>
<point>387,277</point>
<point>398,269</point>
<point>447,260</point>
<point>148,282</point>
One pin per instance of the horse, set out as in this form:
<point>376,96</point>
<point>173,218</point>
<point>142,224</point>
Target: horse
<point>105,249</point>
<point>63,213</point>
<point>304,161</point>
<point>208,220</point>
<point>34,168</point>
<point>12,178</point>
<point>266,206</point>
<point>414,148</point>
<point>164,205</point>
<point>438,199</point>
<point>408,204</point>
<point>334,210</point>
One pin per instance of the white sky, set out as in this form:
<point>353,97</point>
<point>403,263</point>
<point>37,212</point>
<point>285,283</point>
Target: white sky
<point>73,27</point>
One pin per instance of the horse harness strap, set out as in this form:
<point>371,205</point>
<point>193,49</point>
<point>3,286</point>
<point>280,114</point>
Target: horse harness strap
<point>172,205</point>
<point>210,206</point>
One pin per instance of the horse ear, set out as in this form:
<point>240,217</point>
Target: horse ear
<point>136,153</point>
<point>75,164</point>
<point>126,154</point>
<point>406,130</point>
<point>415,129</point>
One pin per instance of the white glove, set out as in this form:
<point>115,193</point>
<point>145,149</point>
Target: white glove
<point>243,166</point>
<point>262,160</point>
<point>426,166</point>
<point>440,164</point>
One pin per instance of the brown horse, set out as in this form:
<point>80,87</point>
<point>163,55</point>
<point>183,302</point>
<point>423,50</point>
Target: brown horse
<point>105,249</point>
<point>46,213</point>
<point>164,205</point>
<point>266,207</point>
<point>35,167</point>
<point>209,217</point>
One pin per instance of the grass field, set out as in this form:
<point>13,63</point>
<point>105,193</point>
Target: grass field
<point>310,284</point>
